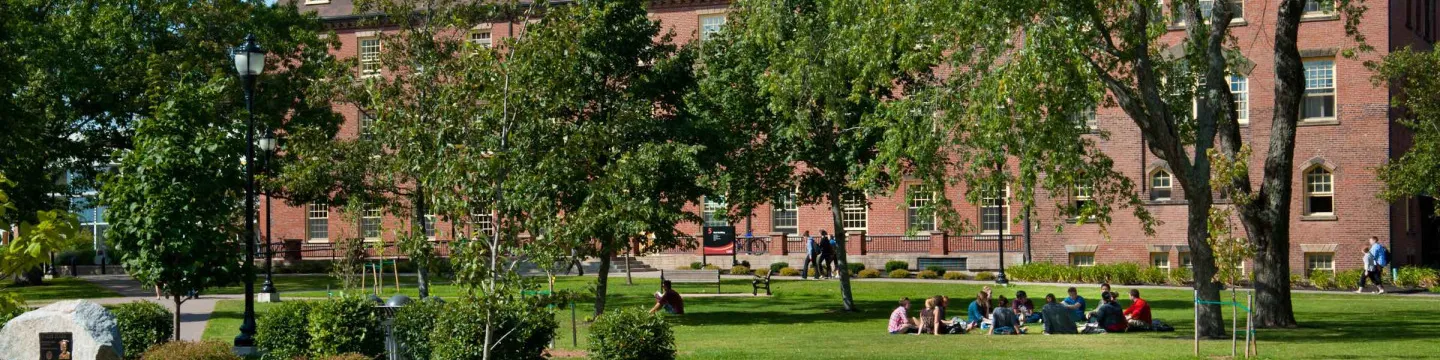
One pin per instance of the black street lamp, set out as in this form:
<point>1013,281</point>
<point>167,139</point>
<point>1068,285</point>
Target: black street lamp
<point>1000,236</point>
<point>249,63</point>
<point>267,290</point>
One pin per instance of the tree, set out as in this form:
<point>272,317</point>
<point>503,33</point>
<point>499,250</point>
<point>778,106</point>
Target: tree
<point>24,252</point>
<point>1412,74</point>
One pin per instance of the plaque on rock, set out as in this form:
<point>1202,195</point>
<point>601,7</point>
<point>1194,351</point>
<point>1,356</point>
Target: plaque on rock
<point>56,346</point>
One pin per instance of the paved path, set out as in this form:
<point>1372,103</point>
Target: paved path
<point>193,317</point>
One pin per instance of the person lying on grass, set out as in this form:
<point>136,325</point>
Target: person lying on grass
<point>1004,321</point>
<point>669,300</point>
<point>899,320</point>
<point>1057,317</point>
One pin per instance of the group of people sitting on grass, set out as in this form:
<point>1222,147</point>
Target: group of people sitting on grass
<point>1004,316</point>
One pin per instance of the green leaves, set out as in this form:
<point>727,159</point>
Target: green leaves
<point>52,231</point>
<point>1412,75</point>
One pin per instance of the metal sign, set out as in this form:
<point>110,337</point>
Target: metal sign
<point>56,346</point>
<point>719,240</point>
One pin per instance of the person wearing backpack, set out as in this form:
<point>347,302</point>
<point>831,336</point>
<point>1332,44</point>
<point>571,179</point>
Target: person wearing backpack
<point>1380,257</point>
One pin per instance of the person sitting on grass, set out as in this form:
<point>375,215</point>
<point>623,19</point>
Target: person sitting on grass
<point>899,321</point>
<point>1076,305</point>
<point>1025,308</point>
<point>928,322</point>
<point>979,312</point>
<point>1109,316</point>
<point>1138,314</point>
<point>1056,317</point>
<point>1104,290</point>
<point>1004,321</point>
<point>669,300</point>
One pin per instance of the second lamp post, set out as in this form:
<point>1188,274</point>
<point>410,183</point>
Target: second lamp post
<point>249,63</point>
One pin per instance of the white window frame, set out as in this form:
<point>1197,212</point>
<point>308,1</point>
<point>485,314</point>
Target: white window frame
<point>1161,179</point>
<point>1082,193</point>
<point>1240,88</point>
<point>708,30</point>
<point>369,60</point>
<point>1160,260</point>
<point>1319,185</point>
<point>482,37</point>
<point>1082,259</point>
<point>430,228</point>
<point>1206,11</point>
<point>371,217</point>
<point>1320,79</point>
<point>854,213</point>
<point>482,221</point>
<point>1314,8</point>
<point>785,208</point>
<point>987,203</point>
<point>917,198</point>
<point>1310,260</point>
<point>711,210</point>
<point>1087,120</point>
<point>1185,261</point>
<point>317,222</point>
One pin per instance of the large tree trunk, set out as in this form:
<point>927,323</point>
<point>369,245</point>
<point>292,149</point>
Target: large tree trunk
<point>178,300</point>
<point>1211,320</point>
<point>847,300</point>
<point>601,281</point>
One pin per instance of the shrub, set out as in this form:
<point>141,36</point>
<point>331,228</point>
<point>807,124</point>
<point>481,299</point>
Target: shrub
<point>813,273</point>
<point>1417,277</point>
<point>789,271</point>
<point>868,274</point>
<point>1347,278</point>
<point>1296,281</point>
<point>745,263</point>
<point>711,267</point>
<point>631,334</point>
<point>740,270</point>
<point>1152,276</point>
<point>928,274</point>
<point>956,275</point>
<point>413,324</point>
<point>187,350</point>
<point>344,325</point>
<point>696,265</point>
<point>899,274</point>
<point>775,267</point>
<point>1322,280</point>
<point>459,334</point>
<point>142,324</point>
<point>855,267</point>
<point>893,265</point>
<point>939,270</point>
<point>346,356</point>
<point>11,305</point>
<point>281,332</point>
<point>684,267</point>
<point>762,272</point>
<point>1181,276</point>
<point>1120,274</point>
<point>985,275</point>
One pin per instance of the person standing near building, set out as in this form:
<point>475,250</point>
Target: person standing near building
<point>827,256</point>
<point>575,262</point>
<point>1380,259</point>
<point>810,251</point>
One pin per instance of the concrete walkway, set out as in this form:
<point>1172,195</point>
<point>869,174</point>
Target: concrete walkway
<point>194,316</point>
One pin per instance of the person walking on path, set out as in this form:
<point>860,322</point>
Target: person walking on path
<point>575,262</point>
<point>1379,259</point>
<point>827,257</point>
<point>810,250</point>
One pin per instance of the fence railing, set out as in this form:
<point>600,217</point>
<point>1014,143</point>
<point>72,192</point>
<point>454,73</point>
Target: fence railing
<point>897,244</point>
<point>983,243</point>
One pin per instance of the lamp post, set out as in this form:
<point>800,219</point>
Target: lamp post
<point>249,63</point>
<point>267,290</point>
<point>1000,236</point>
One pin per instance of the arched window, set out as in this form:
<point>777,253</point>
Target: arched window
<point>1319,192</point>
<point>1161,185</point>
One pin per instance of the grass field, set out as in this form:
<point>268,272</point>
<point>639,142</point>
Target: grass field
<point>800,321</point>
<point>59,288</point>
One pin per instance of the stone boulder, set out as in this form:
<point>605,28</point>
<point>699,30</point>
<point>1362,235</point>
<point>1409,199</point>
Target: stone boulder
<point>94,332</point>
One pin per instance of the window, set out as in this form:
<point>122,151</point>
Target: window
<point>369,57</point>
<point>1185,261</point>
<point>853,212</point>
<point>1315,8</point>
<point>370,224</point>
<point>367,126</point>
<point>1319,90</point>
<point>1240,87</point>
<point>1082,259</point>
<point>430,225</point>
<point>1319,261</point>
<point>317,221</point>
<point>1319,192</point>
<point>919,215</point>
<point>1207,10</point>
<point>1160,260</point>
<point>785,214</point>
<point>1083,196</point>
<point>482,221</point>
<point>714,211</point>
<point>1086,120</point>
<point>710,25</point>
<point>480,37</point>
<point>995,211</point>
<point>1160,185</point>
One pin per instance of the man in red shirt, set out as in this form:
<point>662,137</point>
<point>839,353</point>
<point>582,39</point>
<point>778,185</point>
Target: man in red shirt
<point>669,300</point>
<point>1138,314</point>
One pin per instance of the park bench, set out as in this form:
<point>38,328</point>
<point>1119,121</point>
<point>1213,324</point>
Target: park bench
<point>758,282</point>
<point>692,277</point>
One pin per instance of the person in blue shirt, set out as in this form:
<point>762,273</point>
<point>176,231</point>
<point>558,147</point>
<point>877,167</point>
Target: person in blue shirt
<point>1075,304</point>
<point>978,312</point>
<point>1377,263</point>
<point>810,250</point>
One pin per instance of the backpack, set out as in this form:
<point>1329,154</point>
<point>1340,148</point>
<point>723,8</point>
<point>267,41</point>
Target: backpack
<point>1381,256</point>
<point>1160,326</point>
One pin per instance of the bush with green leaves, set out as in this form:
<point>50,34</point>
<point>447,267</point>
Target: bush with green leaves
<point>696,265</point>
<point>189,350</point>
<point>11,305</point>
<point>1181,276</point>
<point>762,272</point>
<point>789,271</point>
<point>928,274</point>
<point>868,274</point>
<point>1296,281</point>
<point>413,325</point>
<point>1347,278</point>
<point>631,334</point>
<point>1322,280</point>
<point>142,324</point>
<point>1417,277</point>
<point>1152,275</point>
<point>344,325</point>
<point>984,275</point>
<point>460,334</point>
<point>283,332</point>
<point>775,267</point>
<point>711,267</point>
<point>899,274</point>
<point>939,270</point>
<point>956,275</point>
<point>893,265</point>
<point>855,267</point>
<point>740,270</point>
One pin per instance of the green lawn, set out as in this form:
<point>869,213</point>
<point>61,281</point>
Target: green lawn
<point>59,288</point>
<point>800,321</point>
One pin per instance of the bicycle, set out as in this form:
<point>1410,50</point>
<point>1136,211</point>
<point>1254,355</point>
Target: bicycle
<point>754,245</point>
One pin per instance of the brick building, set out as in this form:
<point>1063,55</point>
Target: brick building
<point>1347,131</point>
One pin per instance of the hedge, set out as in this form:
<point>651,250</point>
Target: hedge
<point>892,265</point>
<point>740,270</point>
<point>413,325</point>
<point>789,271</point>
<point>855,267</point>
<point>899,274</point>
<point>186,350</point>
<point>984,275</point>
<point>142,324</point>
<point>345,325</point>
<point>868,274</point>
<point>939,270</point>
<point>460,334</point>
<point>956,275</point>
<point>1119,274</point>
<point>631,334</point>
<point>775,267</point>
<point>1417,277</point>
<point>928,274</point>
<point>283,332</point>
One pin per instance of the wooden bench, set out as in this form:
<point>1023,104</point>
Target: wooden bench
<point>758,282</point>
<point>692,277</point>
